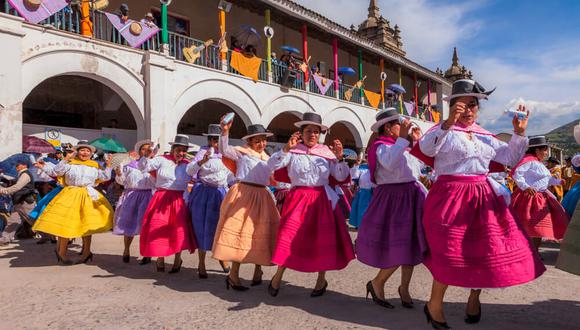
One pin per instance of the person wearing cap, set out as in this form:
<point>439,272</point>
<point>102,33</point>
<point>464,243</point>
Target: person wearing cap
<point>474,241</point>
<point>166,228</point>
<point>246,231</point>
<point>569,257</point>
<point>23,200</point>
<point>135,198</point>
<point>313,235</point>
<point>391,233</point>
<point>554,166</point>
<point>211,184</point>
<point>79,210</point>
<point>533,204</point>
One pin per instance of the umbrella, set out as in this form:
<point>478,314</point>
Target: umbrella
<point>350,154</point>
<point>120,159</point>
<point>8,165</point>
<point>397,88</point>
<point>290,49</point>
<point>108,144</point>
<point>346,71</point>
<point>36,145</point>
<point>247,36</point>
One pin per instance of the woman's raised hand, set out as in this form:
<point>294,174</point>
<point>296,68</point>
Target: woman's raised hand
<point>292,142</point>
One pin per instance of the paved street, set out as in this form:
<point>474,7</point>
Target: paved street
<point>107,294</point>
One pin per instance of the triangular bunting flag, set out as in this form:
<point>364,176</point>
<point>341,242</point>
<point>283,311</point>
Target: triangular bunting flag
<point>322,83</point>
<point>373,98</point>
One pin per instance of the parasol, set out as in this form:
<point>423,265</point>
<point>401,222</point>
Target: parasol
<point>350,154</point>
<point>397,88</point>
<point>247,36</point>
<point>108,144</point>
<point>290,49</point>
<point>36,145</point>
<point>8,165</point>
<point>346,71</point>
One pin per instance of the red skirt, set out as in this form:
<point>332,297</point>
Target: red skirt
<point>166,226</point>
<point>312,236</point>
<point>541,215</point>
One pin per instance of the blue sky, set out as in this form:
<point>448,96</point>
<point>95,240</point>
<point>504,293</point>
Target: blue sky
<point>529,50</point>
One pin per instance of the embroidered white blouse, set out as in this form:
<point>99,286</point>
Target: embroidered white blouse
<point>213,172</point>
<point>455,154</point>
<point>534,175</point>
<point>170,176</point>
<point>395,164</point>
<point>250,169</point>
<point>364,181</point>
<point>80,175</point>
<point>309,170</point>
<point>133,178</point>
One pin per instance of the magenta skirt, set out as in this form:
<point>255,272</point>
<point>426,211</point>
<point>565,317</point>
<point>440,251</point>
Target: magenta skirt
<point>166,226</point>
<point>312,236</point>
<point>473,239</point>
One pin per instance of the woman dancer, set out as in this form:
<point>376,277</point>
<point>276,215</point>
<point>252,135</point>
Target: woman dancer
<point>207,195</point>
<point>248,223</point>
<point>313,235</point>
<point>473,238</point>
<point>134,200</point>
<point>166,228</point>
<point>533,204</point>
<point>78,210</point>
<point>391,234</point>
<point>569,258</point>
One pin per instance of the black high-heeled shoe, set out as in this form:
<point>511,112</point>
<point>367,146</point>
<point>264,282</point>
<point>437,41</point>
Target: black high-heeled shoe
<point>319,292</point>
<point>85,260</point>
<point>231,284</point>
<point>473,319</point>
<point>406,304</point>
<point>145,261</point>
<point>435,324</point>
<point>376,299</point>
<point>271,291</point>
<point>224,268</point>
<point>175,269</point>
<point>126,259</point>
<point>60,260</point>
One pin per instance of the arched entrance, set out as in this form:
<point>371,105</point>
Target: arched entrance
<point>196,120</point>
<point>341,131</point>
<point>283,126</point>
<point>68,108</point>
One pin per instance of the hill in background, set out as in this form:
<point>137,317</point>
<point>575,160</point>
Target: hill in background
<point>563,137</point>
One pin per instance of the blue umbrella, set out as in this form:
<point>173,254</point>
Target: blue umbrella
<point>248,36</point>
<point>346,71</point>
<point>397,89</point>
<point>8,165</point>
<point>350,154</point>
<point>290,49</point>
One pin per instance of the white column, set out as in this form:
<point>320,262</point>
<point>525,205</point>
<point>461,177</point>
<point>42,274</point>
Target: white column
<point>11,98</point>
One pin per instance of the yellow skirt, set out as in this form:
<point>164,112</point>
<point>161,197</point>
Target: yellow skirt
<point>248,225</point>
<point>72,213</point>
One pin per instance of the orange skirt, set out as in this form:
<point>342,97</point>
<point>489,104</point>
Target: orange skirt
<point>248,225</point>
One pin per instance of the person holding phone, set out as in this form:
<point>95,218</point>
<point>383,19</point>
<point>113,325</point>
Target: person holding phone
<point>79,210</point>
<point>474,240</point>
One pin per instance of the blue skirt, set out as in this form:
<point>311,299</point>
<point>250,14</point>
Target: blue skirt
<point>360,203</point>
<point>571,199</point>
<point>41,205</point>
<point>204,204</point>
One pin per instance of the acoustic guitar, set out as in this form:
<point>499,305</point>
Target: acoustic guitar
<point>348,93</point>
<point>192,53</point>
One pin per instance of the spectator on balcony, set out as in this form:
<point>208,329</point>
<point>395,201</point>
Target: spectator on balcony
<point>123,12</point>
<point>274,58</point>
<point>149,21</point>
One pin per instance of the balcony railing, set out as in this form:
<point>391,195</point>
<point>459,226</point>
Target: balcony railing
<point>69,20</point>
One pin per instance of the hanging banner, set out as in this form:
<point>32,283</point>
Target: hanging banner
<point>410,107</point>
<point>247,66</point>
<point>35,11</point>
<point>373,98</point>
<point>322,83</point>
<point>135,33</point>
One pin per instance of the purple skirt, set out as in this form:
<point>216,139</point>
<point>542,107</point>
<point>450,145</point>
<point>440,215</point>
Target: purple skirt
<point>130,210</point>
<point>391,232</point>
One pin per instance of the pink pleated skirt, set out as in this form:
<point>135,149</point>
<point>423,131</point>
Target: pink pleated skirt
<point>312,236</point>
<point>166,226</point>
<point>473,238</point>
<point>541,215</point>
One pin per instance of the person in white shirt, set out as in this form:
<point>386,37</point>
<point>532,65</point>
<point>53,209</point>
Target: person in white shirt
<point>166,228</point>
<point>535,207</point>
<point>391,233</point>
<point>313,235</point>
<point>246,231</point>
<point>211,185</point>
<point>136,196</point>
<point>474,240</point>
<point>79,210</point>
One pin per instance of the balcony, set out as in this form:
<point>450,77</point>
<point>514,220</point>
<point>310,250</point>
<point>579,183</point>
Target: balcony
<point>69,20</point>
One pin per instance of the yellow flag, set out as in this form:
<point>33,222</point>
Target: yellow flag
<point>374,98</point>
<point>247,66</point>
